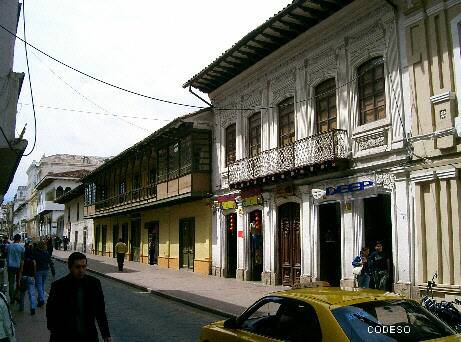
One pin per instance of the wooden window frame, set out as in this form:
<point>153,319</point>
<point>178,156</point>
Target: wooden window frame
<point>326,91</point>
<point>254,133</point>
<point>286,108</point>
<point>231,144</point>
<point>371,67</point>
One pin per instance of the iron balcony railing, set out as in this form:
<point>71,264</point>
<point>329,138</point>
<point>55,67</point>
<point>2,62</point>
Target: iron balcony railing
<point>316,149</point>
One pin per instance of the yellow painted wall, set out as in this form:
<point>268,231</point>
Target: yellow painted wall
<point>169,219</point>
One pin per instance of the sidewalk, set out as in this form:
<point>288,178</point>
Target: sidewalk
<point>223,296</point>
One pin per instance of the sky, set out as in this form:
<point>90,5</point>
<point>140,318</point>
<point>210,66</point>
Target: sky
<point>151,47</point>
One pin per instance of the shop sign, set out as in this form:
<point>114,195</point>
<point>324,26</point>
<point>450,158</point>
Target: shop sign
<point>254,200</point>
<point>355,188</point>
<point>227,202</point>
<point>284,191</point>
<point>240,233</point>
<point>347,188</point>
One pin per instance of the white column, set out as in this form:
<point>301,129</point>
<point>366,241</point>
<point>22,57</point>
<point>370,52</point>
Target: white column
<point>240,241</point>
<point>301,105</point>
<point>306,234</point>
<point>269,228</point>
<point>358,216</point>
<point>401,232</point>
<point>239,130</point>
<point>216,236</point>
<point>347,243</point>
<point>315,243</point>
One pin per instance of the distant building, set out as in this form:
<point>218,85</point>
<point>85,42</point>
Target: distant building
<point>48,179</point>
<point>11,147</point>
<point>20,211</point>
<point>74,225</point>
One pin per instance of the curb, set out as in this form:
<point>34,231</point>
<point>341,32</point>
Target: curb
<point>158,293</point>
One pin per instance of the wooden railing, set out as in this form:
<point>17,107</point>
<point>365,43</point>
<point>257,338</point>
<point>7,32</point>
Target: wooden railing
<point>137,195</point>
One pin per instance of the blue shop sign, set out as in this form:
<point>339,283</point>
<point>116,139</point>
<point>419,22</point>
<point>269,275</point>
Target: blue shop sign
<point>348,188</point>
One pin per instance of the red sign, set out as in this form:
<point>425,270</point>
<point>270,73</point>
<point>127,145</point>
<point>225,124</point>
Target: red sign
<point>240,233</point>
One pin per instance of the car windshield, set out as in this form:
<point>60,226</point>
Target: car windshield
<point>390,320</point>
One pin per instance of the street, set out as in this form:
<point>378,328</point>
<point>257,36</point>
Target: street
<point>133,316</point>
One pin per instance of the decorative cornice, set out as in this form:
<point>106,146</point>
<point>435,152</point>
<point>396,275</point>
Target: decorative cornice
<point>418,16</point>
<point>443,97</point>
<point>424,176</point>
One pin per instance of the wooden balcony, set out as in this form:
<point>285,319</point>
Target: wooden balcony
<point>305,156</point>
<point>182,188</point>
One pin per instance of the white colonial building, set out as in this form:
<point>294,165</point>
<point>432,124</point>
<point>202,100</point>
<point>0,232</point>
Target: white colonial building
<point>309,147</point>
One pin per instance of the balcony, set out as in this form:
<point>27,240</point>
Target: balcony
<point>194,184</point>
<point>304,155</point>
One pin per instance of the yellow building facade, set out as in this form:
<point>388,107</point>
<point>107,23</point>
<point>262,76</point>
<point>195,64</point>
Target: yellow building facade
<point>156,197</point>
<point>168,245</point>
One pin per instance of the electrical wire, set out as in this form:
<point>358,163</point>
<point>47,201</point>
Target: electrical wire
<point>84,96</point>
<point>96,113</point>
<point>175,102</point>
<point>30,80</point>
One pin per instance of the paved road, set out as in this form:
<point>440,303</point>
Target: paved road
<point>134,316</point>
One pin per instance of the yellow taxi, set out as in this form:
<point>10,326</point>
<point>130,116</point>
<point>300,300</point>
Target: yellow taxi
<point>331,314</point>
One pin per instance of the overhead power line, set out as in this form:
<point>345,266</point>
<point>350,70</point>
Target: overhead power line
<point>97,113</point>
<point>86,98</point>
<point>98,79</point>
<point>256,108</point>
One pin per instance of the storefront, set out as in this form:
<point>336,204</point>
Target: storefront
<point>307,233</point>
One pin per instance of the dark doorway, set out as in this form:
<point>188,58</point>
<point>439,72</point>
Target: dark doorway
<point>85,235</point>
<point>114,238</point>
<point>125,233</point>
<point>330,243</point>
<point>104,239</point>
<point>152,237</point>
<point>75,240</point>
<point>135,241</point>
<point>97,239</point>
<point>289,244</point>
<point>256,245</point>
<point>378,227</point>
<point>231,245</point>
<point>187,243</point>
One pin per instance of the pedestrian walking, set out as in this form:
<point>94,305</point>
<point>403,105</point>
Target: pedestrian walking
<point>28,280</point>
<point>15,256</point>
<point>380,267</point>
<point>65,242</point>
<point>49,245</point>
<point>84,303</point>
<point>121,249</point>
<point>361,268</point>
<point>43,261</point>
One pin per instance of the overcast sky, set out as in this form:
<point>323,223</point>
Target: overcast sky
<point>152,47</point>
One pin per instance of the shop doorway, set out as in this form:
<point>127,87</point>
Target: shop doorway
<point>135,243</point>
<point>85,235</point>
<point>378,227</point>
<point>330,243</point>
<point>114,238</point>
<point>104,239</point>
<point>152,237</point>
<point>289,244</point>
<point>75,240</point>
<point>125,233</point>
<point>256,245</point>
<point>97,239</point>
<point>231,245</point>
<point>187,243</point>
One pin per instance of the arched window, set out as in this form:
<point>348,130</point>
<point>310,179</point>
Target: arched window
<point>230,144</point>
<point>372,102</point>
<point>59,191</point>
<point>254,134</point>
<point>325,105</point>
<point>286,122</point>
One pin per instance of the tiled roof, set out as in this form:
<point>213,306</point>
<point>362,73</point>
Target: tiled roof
<point>283,27</point>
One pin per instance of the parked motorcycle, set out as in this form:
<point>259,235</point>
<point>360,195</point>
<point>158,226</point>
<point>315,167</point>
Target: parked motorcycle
<point>445,310</point>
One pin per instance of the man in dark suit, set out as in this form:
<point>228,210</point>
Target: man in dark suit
<point>74,303</point>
